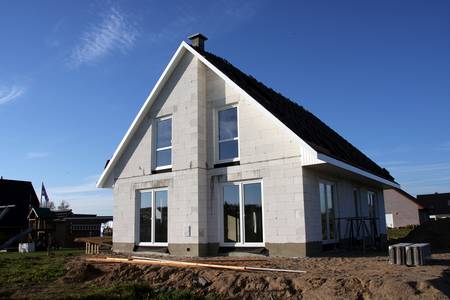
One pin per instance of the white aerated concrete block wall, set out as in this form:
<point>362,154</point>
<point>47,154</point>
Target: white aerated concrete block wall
<point>268,152</point>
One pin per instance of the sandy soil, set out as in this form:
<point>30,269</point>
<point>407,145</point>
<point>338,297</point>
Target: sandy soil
<point>326,278</point>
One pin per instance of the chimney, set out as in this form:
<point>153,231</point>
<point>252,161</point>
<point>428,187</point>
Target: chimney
<point>198,40</point>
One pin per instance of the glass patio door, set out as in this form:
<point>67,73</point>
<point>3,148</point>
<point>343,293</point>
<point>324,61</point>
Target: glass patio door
<point>153,217</point>
<point>327,211</point>
<point>242,214</point>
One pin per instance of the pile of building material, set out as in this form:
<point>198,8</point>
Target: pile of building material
<point>26,247</point>
<point>184,264</point>
<point>410,254</point>
<point>95,244</point>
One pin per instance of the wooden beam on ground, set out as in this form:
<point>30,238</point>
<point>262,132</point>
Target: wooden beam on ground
<point>184,264</point>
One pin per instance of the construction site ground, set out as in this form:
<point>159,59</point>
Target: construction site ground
<point>335,276</point>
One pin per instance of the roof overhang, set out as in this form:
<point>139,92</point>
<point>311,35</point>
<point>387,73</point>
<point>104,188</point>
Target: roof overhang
<point>323,159</point>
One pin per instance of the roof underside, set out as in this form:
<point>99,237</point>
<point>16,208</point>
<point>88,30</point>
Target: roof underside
<point>308,127</point>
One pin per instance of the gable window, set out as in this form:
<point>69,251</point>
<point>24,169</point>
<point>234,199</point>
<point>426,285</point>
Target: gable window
<point>228,137</point>
<point>163,143</point>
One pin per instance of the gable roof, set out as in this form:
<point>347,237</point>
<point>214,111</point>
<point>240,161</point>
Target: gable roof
<point>308,128</point>
<point>408,196</point>
<point>44,213</point>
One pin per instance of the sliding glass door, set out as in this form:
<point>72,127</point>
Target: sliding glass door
<point>242,214</point>
<point>327,211</point>
<point>153,217</point>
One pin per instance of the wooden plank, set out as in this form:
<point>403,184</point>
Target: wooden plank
<point>185,264</point>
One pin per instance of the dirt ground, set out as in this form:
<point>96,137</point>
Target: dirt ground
<point>325,278</point>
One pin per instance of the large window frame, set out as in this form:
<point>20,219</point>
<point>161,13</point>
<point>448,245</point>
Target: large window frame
<point>153,217</point>
<point>156,149</point>
<point>242,242</point>
<point>217,135</point>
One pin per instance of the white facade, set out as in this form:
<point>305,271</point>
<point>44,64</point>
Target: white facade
<point>191,91</point>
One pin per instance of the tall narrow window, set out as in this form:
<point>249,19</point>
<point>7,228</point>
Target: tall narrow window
<point>242,213</point>
<point>231,214</point>
<point>356,202</point>
<point>372,205</point>
<point>327,211</point>
<point>228,137</point>
<point>163,142</point>
<point>145,218</point>
<point>253,213</point>
<point>153,217</point>
<point>161,216</point>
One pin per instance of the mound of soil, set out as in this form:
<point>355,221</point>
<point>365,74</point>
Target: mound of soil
<point>79,271</point>
<point>326,278</point>
<point>435,232</point>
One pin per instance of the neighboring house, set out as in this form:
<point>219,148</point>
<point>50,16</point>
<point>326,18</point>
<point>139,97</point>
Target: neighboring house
<point>435,206</point>
<point>64,226</point>
<point>402,209</point>
<point>216,161</point>
<point>16,198</point>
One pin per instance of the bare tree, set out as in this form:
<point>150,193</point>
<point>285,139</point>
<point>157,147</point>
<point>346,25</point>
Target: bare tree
<point>63,205</point>
<point>48,204</point>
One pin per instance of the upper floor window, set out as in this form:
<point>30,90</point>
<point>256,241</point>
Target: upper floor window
<point>163,143</point>
<point>228,138</point>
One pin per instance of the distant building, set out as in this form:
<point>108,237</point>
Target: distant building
<point>402,209</point>
<point>16,199</point>
<point>436,205</point>
<point>64,226</point>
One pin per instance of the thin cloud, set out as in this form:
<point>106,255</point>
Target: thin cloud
<point>8,94</point>
<point>444,147</point>
<point>113,33</point>
<point>34,155</point>
<point>414,168</point>
<point>86,187</point>
<point>84,197</point>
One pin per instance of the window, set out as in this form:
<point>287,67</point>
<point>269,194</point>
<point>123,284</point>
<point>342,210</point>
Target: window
<point>163,143</point>
<point>327,211</point>
<point>372,204</point>
<point>356,202</point>
<point>228,138</point>
<point>242,214</point>
<point>153,216</point>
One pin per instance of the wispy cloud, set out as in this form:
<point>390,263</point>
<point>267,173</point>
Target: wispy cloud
<point>113,33</point>
<point>34,155</point>
<point>444,147</point>
<point>424,167</point>
<point>84,197</point>
<point>9,93</point>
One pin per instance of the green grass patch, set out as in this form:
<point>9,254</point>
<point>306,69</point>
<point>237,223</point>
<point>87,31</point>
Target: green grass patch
<point>23,269</point>
<point>399,233</point>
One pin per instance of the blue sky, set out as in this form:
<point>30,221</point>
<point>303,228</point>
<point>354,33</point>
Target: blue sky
<point>73,75</point>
